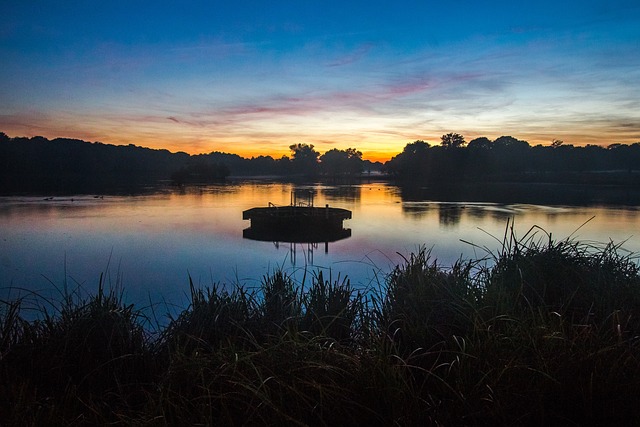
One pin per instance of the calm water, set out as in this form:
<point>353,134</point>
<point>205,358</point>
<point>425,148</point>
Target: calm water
<point>152,243</point>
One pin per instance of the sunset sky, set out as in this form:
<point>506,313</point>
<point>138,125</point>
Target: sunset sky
<point>253,77</point>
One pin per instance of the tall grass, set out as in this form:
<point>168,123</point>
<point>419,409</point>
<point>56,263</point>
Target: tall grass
<point>332,309</point>
<point>546,333</point>
<point>94,346</point>
<point>566,276</point>
<point>215,318</point>
<point>425,304</point>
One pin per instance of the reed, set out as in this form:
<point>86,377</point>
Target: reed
<point>544,333</point>
<point>281,305</point>
<point>214,318</point>
<point>331,308</point>
<point>425,304</point>
<point>94,346</point>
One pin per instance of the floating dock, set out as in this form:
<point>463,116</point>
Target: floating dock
<point>298,223</point>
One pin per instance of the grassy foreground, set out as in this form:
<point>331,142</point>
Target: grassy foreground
<point>547,334</point>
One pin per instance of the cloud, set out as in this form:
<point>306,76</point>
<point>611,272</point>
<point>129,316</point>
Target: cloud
<point>365,99</point>
<point>352,57</point>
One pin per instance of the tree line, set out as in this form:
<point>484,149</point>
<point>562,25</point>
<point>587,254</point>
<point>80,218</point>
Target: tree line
<point>38,164</point>
<point>508,159</point>
<point>61,164</point>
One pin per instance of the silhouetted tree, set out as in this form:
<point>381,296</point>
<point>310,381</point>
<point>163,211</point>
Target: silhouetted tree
<point>341,162</point>
<point>283,165</point>
<point>304,159</point>
<point>510,142</point>
<point>482,143</point>
<point>625,156</point>
<point>452,140</point>
<point>556,143</point>
<point>480,156</point>
<point>413,163</point>
<point>416,148</point>
<point>68,165</point>
<point>200,170</point>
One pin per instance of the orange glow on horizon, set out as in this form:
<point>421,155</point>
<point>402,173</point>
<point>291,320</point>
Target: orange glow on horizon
<point>278,147</point>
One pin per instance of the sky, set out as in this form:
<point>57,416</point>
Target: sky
<point>253,77</point>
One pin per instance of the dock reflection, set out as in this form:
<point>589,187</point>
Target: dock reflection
<point>294,235</point>
<point>294,238</point>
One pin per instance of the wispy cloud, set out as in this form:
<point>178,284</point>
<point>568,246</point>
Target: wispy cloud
<point>263,84</point>
<point>352,57</point>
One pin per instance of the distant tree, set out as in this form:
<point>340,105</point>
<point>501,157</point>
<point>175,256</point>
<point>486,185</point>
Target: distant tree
<point>304,158</point>
<point>452,140</point>
<point>556,143</point>
<point>200,169</point>
<point>341,162</point>
<point>283,165</point>
<point>624,156</point>
<point>482,143</point>
<point>369,166</point>
<point>510,143</point>
<point>417,147</point>
<point>413,163</point>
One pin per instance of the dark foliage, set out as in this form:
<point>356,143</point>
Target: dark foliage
<point>508,159</point>
<point>67,166</point>
<point>544,335</point>
<point>73,166</point>
<point>200,171</point>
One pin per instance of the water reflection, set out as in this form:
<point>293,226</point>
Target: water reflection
<point>299,222</point>
<point>524,193</point>
<point>296,235</point>
<point>307,249</point>
<point>157,241</point>
<point>450,214</point>
<point>343,193</point>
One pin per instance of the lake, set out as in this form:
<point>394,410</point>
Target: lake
<point>152,243</point>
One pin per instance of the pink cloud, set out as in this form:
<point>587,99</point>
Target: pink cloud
<point>355,56</point>
<point>331,101</point>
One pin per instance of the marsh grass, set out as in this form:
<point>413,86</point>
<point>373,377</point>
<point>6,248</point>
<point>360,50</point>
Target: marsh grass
<point>425,304</point>
<point>545,333</point>
<point>332,308</point>
<point>94,346</point>
<point>281,305</point>
<point>215,318</point>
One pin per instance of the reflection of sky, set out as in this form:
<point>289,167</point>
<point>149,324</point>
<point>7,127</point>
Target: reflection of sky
<point>154,242</point>
<point>254,77</point>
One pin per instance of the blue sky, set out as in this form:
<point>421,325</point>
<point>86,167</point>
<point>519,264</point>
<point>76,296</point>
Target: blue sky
<point>253,77</point>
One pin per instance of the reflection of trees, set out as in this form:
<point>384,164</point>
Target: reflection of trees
<point>410,193</point>
<point>342,193</point>
<point>450,215</point>
<point>477,212</point>
<point>501,216</point>
<point>416,210</point>
<point>525,192</point>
